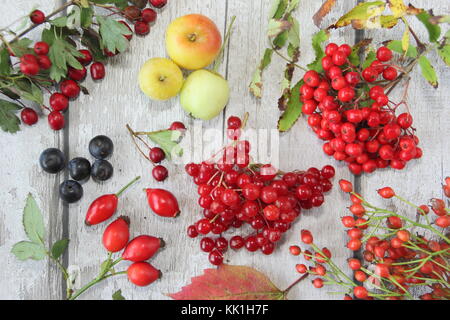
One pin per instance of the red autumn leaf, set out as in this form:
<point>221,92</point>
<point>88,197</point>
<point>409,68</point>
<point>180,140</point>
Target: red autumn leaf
<point>323,11</point>
<point>230,283</point>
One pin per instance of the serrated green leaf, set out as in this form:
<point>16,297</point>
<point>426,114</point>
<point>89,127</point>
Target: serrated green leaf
<point>118,295</point>
<point>370,57</point>
<point>444,53</point>
<point>59,247</point>
<point>317,40</point>
<point>86,16</point>
<point>168,141</point>
<point>396,46</point>
<point>428,71</point>
<point>33,222</point>
<point>362,12</point>
<point>293,110</point>
<point>28,90</point>
<point>5,62</point>
<point>294,32</point>
<point>62,53</point>
<point>25,250</point>
<point>9,122</point>
<point>256,83</point>
<point>113,34</point>
<point>91,40</point>
<point>434,30</point>
<point>21,47</point>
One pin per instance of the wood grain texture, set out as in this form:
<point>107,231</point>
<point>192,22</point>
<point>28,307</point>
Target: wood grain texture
<point>117,100</point>
<point>21,175</point>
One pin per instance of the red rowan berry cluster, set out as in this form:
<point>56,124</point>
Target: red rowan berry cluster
<point>349,108</point>
<point>233,192</point>
<point>398,253</point>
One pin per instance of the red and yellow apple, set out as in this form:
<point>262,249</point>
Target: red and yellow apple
<point>193,41</point>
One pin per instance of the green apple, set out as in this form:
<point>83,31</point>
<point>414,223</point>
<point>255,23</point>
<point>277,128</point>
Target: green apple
<point>160,79</point>
<point>204,94</point>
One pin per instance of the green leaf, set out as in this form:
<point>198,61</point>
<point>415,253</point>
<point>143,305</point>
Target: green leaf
<point>91,40</point>
<point>370,57</point>
<point>59,247</point>
<point>121,4</point>
<point>21,47</point>
<point>294,32</point>
<point>278,9</point>
<point>28,90</point>
<point>25,250</point>
<point>256,84</point>
<point>405,40</point>
<point>428,71</point>
<point>434,30</point>
<point>33,222</point>
<point>396,46</point>
<point>276,27</point>
<point>168,141</point>
<point>362,12</point>
<point>113,34</point>
<point>5,62</point>
<point>280,40</point>
<point>293,4</point>
<point>444,53</point>
<point>357,49</point>
<point>293,110</point>
<point>9,122</point>
<point>86,16</point>
<point>118,295</point>
<point>317,40</point>
<point>62,53</point>
<point>59,22</point>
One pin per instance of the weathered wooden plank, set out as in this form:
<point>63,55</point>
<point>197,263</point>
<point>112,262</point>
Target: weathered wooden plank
<point>112,104</point>
<point>297,149</point>
<point>21,175</point>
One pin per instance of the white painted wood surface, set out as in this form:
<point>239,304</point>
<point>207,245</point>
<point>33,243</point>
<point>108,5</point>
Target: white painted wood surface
<point>117,100</point>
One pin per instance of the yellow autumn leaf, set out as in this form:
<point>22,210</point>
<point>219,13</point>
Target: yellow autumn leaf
<point>361,15</point>
<point>398,7</point>
<point>405,40</point>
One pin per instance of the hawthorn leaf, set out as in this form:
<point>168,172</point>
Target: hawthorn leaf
<point>5,62</point>
<point>59,247</point>
<point>91,40</point>
<point>21,47</point>
<point>33,222</point>
<point>317,40</point>
<point>113,34</point>
<point>294,32</point>
<point>256,84</point>
<point>293,109</point>
<point>168,141</point>
<point>434,30</point>
<point>362,12</point>
<point>444,53</point>
<point>323,11</point>
<point>230,283</point>
<point>428,71</point>
<point>86,16</point>
<point>9,122</point>
<point>25,250</point>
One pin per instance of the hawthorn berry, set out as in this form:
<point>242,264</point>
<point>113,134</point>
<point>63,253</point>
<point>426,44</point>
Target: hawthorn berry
<point>37,17</point>
<point>28,116</point>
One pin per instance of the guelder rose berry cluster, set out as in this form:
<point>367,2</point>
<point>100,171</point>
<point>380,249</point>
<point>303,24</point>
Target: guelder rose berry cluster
<point>349,108</point>
<point>234,192</point>
<point>399,253</point>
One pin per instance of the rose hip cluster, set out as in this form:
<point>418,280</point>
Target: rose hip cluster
<point>397,256</point>
<point>69,89</point>
<point>234,192</point>
<point>353,114</point>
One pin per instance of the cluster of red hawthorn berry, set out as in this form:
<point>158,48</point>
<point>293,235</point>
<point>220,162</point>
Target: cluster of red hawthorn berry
<point>69,88</point>
<point>395,259</point>
<point>234,192</point>
<point>349,108</point>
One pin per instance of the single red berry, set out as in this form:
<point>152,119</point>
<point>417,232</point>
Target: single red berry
<point>116,235</point>
<point>177,125</point>
<point>77,74</point>
<point>56,120</point>
<point>405,120</point>
<point>37,17</point>
<point>384,54</point>
<point>370,74</point>
<point>311,78</point>
<point>330,49</point>
<point>69,88</point>
<point>160,173</point>
<point>354,244</point>
<point>157,155</point>
<point>301,268</point>
<point>142,248</point>
<point>97,71</point>
<point>142,274</point>
<point>28,116</point>
<point>158,3</point>
<point>207,244</point>
<point>58,101</point>
<point>236,242</point>
<point>41,47</point>
<point>30,68</point>
<point>86,57</point>
<point>44,62</point>
<point>306,237</point>
<point>148,15</point>
<point>295,250</point>
<point>360,292</point>
<point>390,73</point>
<point>141,28</point>
<point>192,231</point>
<point>345,185</point>
<point>215,257</point>
<point>234,123</point>
<point>354,264</point>
<point>317,283</point>
<point>386,192</point>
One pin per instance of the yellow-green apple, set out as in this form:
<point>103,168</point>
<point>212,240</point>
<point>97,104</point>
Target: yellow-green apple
<point>160,79</point>
<point>204,94</point>
<point>193,41</point>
